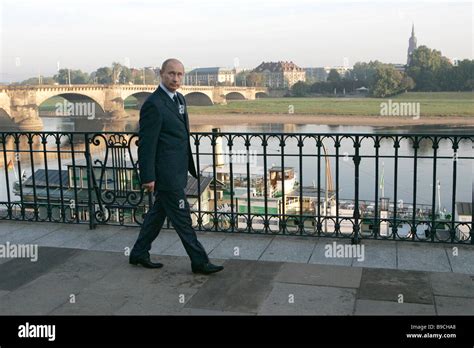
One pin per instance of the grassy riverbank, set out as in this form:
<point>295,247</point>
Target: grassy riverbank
<point>431,104</point>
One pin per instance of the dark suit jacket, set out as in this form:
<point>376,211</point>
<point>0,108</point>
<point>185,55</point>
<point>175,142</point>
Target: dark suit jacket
<point>164,150</point>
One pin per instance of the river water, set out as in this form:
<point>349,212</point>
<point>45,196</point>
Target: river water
<point>368,181</point>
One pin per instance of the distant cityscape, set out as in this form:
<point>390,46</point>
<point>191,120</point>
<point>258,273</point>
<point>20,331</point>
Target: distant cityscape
<point>281,74</point>
<point>425,69</point>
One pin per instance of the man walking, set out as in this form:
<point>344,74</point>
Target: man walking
<point>164,159</point>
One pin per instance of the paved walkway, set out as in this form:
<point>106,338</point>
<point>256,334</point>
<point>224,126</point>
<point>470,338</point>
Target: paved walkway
<point>82,271</point>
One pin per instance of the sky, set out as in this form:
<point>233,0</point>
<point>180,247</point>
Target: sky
<point>37,37</point>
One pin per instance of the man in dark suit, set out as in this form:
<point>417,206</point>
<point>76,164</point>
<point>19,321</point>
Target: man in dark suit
<point>164,159</point>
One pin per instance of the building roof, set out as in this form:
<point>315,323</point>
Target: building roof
<point>464,208</point>
<point>53,181</point>
<point>237,169</point>
<point>278,67</point>
<point>79,163</point>
<point>192,186</point>
<point>53,178</point>
<point>278,169</point>
<point>210,70</point>
<point>308,191</point>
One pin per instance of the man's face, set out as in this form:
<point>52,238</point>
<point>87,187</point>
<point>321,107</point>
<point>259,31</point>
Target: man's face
<point>172,76</point>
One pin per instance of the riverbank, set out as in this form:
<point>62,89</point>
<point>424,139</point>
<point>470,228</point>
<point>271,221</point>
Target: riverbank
<point>349,120</point>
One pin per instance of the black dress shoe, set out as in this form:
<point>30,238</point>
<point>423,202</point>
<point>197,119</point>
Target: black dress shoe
<point>145,262</point>
<point>206,268</point>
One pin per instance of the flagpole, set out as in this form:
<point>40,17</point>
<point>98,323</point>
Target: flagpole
<point>382,184</point>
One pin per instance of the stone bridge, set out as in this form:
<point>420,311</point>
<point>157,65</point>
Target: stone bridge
<point>21,103</point>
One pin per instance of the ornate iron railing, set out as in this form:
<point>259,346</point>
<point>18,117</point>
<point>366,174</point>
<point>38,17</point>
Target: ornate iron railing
<point>386,186</point>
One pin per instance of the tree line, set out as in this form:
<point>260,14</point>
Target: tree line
<point>117,73</point>
<point>428,71</point>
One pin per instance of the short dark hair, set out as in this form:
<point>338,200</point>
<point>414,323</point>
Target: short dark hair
<point>169,60</point>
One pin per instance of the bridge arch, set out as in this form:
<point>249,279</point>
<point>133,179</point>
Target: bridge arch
<point>234,96</point>
<point>6,121</point>
<point>140,99</point>
<point>42,96</point>
<point>76,98</point>
<point>198,99</point>
<point>259,95</point>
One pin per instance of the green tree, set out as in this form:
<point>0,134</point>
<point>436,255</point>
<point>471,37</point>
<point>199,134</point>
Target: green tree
<point>463,76</point>
<point>78,77</point>
<point>334,76</point>
<point>120,73</point>
<point>428,68</point>
<point>300,89</point>
<point>407,83</point>
<point>388,81</point>
<point>241,78</point>
<point>45,80</point>
<point>255,79</point>
<point>150,77</point>
<point>364,73</point>
<point>103,75</point>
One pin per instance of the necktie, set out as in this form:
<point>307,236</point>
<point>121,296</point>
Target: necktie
<point>175,98</point>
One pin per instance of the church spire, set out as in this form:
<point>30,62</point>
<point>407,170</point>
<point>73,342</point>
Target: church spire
<point>411,44</point>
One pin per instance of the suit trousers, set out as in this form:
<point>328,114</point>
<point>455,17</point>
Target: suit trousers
<point>175,206</point>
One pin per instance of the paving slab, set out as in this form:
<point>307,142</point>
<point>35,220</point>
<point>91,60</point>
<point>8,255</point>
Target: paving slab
<point>248,247</point>
<point>241,287</point>
<point>124,238</point>
<point>4,259</point>
<point>462,259</point>
<point>90,266</point>
<point>325,275</point>
<point>296,299</point>
<point>53,289</point>
<point>3,292</point>
<point>197,311</point>
<point>208,241</point>
<point>87,302</point>
<point>158,300</point>
<point>176,272</point>
<point>388,285</point>
<point>27,234</point>
<point>36,298</point>
<point>20,271</point>
<point>418,257</point>
<point>452,284</point>
<point>378,254</point>
<point>165,239</point>
<point>59,236</point>
<point>372,307</point>
<point>9,226</point>
<point>289,249</point>
<point>454,305</point>
<point>129,290</point>
<point>320,255</point>
<point>87,239</point>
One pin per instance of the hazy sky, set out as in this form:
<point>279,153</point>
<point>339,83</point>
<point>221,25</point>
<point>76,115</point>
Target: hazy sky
<point>86,34</point>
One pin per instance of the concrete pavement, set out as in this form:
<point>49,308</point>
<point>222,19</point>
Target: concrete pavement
<point>82,271</point>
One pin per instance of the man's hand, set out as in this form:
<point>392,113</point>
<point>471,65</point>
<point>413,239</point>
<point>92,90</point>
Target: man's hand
<point>149,186</point>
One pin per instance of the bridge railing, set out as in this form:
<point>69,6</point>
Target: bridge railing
<point>415,187</point>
